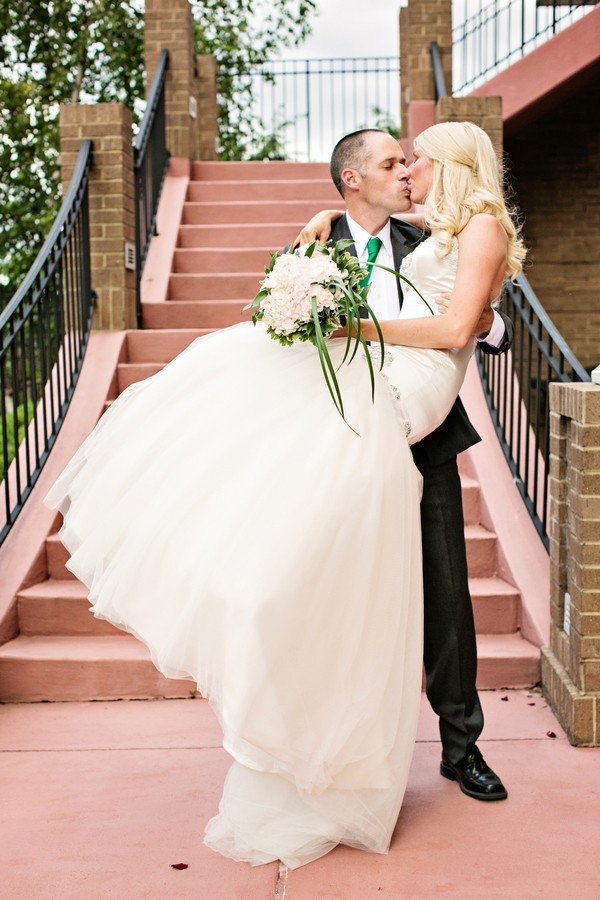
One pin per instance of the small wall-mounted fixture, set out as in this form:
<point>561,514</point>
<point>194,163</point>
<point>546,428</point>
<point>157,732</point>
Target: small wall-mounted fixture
<point>130,256</point>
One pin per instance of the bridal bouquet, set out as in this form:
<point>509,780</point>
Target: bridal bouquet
<point>309,293</point>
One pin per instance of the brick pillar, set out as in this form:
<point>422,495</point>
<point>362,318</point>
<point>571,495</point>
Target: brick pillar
<point>208,112</point>
<point>190,107</point>
<point>422,22</point>
<point>111,202</point>
<point>571,664</point>
<point>487,115</point>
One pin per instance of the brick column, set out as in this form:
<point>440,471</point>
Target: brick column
<point>422,22</point>
<point>208,112</point>
<point>488,115</point>
<point>111,202</point>
<point>571,664</point>
<point>190,108</point>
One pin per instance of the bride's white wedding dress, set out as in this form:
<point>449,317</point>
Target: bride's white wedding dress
<point>224,513</point>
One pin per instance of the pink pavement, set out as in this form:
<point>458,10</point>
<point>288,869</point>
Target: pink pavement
<point>100,799</point>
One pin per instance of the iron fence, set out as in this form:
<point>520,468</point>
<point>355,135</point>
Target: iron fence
<point>487,39</point>
<point>516,386</point>
<point>151,160</point>
<point>44,331</point>
<point>300,108</point>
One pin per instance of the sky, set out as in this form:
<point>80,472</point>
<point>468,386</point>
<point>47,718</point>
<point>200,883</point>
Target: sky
<point>351,28</point>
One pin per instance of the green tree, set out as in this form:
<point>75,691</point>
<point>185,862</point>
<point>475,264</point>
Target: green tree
<point>53,53</point>
<point>64,51</point>
<point>242,35</point>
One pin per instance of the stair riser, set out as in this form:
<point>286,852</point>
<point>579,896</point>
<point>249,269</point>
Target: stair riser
<point>495,615</point>
<point>508,672</point>
<point>30,681</point>
<point>215,287</point>
<point>481,556</point>
<point>471,505</point>
<point>68,616</point>
<point>158,346</point>
<point>255,213</point>
<point>128,374</point>
<point>239,236</point>
<point>191,314</point>
<point>60,616</point>
<point>56,557</point>
<point>235,191</point>
<point>259,171</point>
<point>195,261</point>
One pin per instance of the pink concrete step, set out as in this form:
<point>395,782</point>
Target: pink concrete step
<point>496,605</point>
<point>471,497</point>
<point>481,551</point>
<point>131,373</point>
<point>215,286</point>
<point>288,189</point>
<point>230,259</point>
<point>506,661</point>
<point>244,235</point>
<point>266,170</point>
<point>205,314</point>
<point>253,211</point>
<point>237,214</point>
<point>59,607</point>
<point>149,346</point>
<point>56,557</point>
<point>84,667</point>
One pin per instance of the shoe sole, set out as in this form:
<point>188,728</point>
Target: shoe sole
<point>449,773</point>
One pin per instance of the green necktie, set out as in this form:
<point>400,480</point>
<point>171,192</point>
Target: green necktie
<point>373,246</point>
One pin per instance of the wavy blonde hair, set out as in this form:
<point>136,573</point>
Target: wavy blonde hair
<point>467,179</point>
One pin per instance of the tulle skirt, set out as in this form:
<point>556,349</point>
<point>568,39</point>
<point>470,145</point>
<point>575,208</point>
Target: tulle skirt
<point>224,513</point>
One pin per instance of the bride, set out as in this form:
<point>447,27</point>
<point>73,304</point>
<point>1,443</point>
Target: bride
<point>225,513</point>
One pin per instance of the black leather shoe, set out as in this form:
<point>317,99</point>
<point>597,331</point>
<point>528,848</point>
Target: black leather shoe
<point>474,776</point>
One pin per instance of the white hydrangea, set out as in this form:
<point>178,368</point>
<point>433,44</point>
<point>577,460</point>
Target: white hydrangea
<point>292,285</point>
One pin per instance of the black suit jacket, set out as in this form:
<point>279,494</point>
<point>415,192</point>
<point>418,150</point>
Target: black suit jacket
<point>456,433</point>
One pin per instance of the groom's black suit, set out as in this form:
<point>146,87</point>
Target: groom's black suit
<point>450,649</point>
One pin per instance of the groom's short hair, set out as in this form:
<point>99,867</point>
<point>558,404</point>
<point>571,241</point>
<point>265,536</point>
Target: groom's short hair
<point>350,152</point>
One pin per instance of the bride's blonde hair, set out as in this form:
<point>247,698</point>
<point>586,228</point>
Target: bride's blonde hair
<point>466,179</point>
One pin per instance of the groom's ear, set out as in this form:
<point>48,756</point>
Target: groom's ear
<point>350,179</point>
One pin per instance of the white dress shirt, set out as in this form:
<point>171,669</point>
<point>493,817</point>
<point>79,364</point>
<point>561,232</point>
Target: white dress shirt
<point>383,288</point>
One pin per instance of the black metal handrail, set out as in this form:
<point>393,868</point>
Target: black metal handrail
<point>44,331</point>
<point>439,81</point>
<point>516,387</point>
<point>151,160</point>
<point>496,35</point>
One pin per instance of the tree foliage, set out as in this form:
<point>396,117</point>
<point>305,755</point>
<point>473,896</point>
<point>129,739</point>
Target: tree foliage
<point>69,51</point>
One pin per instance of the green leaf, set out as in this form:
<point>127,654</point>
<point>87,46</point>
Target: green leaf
<point>326,364</point>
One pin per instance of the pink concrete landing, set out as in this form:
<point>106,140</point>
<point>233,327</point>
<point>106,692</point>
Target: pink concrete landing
<point>98,800</point>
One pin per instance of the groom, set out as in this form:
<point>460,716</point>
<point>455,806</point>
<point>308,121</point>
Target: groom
<point>368,169</point>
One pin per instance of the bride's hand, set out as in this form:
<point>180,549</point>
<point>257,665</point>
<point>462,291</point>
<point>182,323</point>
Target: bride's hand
<point>486,320</point>
<point>318,228</point>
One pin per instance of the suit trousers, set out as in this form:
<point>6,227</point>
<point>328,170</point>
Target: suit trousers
<point>450,648</point>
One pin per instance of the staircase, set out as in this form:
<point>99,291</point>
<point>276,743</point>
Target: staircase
<point>234,216</point>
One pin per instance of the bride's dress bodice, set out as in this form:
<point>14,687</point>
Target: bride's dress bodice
<point>424,383</point>
<point>430,273</point>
